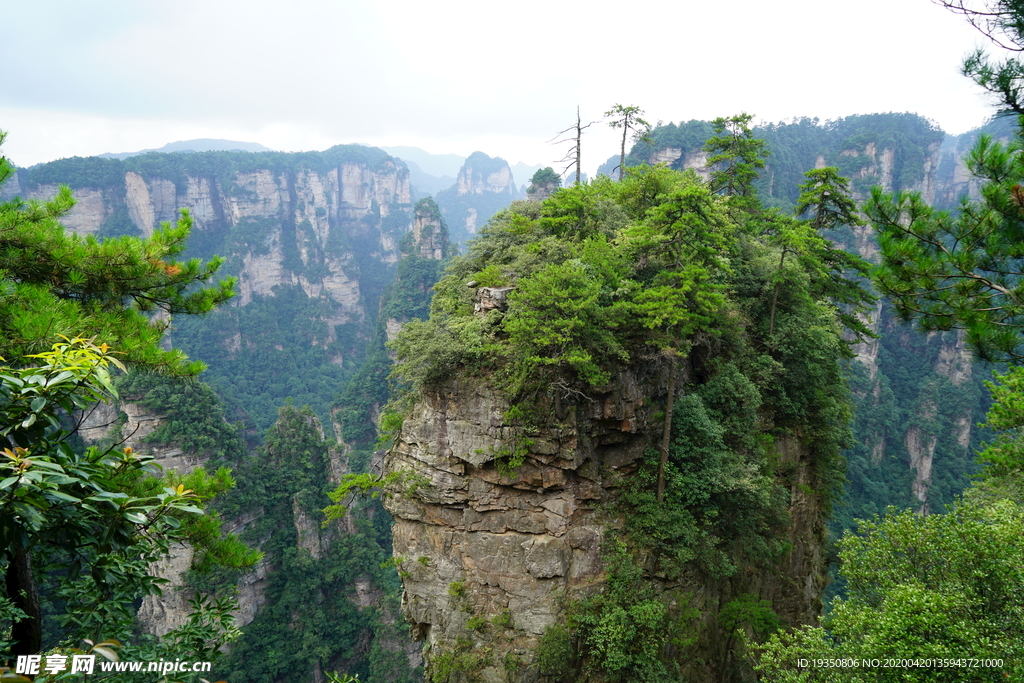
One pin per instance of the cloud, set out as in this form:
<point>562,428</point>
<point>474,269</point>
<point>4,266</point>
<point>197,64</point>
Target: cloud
<point>458,75</point>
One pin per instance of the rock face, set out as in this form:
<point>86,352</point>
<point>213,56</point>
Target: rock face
<point>474,543</point>
<point>484,186</point>
<point>482,174</point>
<point>132,422</point>
<point>674,157</point>
<point>296,226</point>
<point>429,234</point>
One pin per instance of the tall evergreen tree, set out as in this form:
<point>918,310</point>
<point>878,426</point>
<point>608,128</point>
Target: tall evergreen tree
<point>735,156</point>
<point>628,119</point>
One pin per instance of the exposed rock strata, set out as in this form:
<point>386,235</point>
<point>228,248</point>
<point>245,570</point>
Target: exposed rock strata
<point>317,212</point>
<point>474,543</point>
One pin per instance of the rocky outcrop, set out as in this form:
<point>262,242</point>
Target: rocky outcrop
<point>481,174</point>
<point>474,542</point>
<point>879,167</point>
<point>131,423</point>
<point>952,362</point>
<point>162,613</point>
<point>429,233</point>
<point>479,545</point>
<point>91,209</point>
<point>675,157</point>
<point>484,186</point>
<point>543,184</point>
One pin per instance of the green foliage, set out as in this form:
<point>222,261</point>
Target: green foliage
<point>833,273</point>
<point>686,137</point>
<point>794,146</point>
<point>59,283</point>
<point>546,176</point>
<point>555,654</point>
<point>654,270</point>
<point>334,677</point>
<point>119,223</point>
<point>959,271</point>
<point>624,629</point>
<point>464,662</point>
<point>735,156</point>
<point>722,506</point>
<point>906,391</point>
<point>749,610</point>
<point>409,296</point>
<point>430,351</point>
<point>557,321</point>
<point>220,166</point>
<point>365,484</point>
<point>95,519</point>
<point>826,197</point>
<point>503,620</point>
<point>490,276</point>
<point>576,298</point>
<point>920,587</point>
<point>310,617</point>
<point>194,418</point>
<point>628,119</point>
<point>77,172</point>
<point>1004,457</point>
<point>276,347</point>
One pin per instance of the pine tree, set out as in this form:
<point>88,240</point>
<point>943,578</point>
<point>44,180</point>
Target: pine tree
<point>108,290</point>
<point>628,119</point>
<point>962,271</point>
<point>735,156</point>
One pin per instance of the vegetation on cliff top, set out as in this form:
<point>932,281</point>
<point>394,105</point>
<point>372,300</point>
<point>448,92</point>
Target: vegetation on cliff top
<point>659,269</point>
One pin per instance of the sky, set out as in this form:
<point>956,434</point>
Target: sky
<point>457,76</point>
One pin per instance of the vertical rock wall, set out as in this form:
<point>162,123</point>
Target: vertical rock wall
<point>488,560</point>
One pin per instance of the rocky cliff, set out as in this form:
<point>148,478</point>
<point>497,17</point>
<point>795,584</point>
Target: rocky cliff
<point>509,507</point>
<point>490,561</point>
<point>483,187</point>
<point>312,238</point>
<point>144,420</point>
<point>303,213</point>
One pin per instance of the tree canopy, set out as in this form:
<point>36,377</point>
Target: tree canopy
<point>87,522</point>
<point>100,515</point>
<point>960,270</point>
<point>53,282</point>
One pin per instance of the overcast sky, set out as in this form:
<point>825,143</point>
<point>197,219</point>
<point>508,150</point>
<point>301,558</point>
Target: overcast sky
<point>454,76</point>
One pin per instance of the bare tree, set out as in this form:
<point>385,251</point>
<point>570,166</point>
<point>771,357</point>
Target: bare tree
<point>1001,21</point>
<point>572,157</point>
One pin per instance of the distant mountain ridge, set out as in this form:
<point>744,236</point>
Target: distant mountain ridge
<point>197,145</point>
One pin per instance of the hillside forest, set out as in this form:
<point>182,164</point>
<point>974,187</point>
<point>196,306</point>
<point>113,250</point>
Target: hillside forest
<point>744,407</point>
